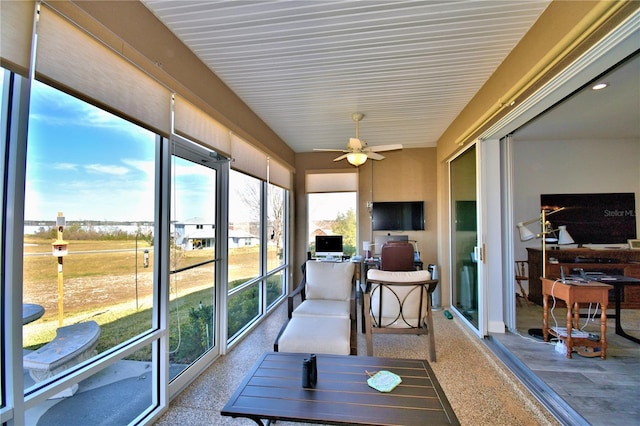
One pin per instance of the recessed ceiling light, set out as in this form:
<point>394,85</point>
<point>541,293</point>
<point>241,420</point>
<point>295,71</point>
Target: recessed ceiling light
<point>600,86</point>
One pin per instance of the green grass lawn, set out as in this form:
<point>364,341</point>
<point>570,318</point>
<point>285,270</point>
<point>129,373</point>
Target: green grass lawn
<point>119,324</point>
<point>104,281</point>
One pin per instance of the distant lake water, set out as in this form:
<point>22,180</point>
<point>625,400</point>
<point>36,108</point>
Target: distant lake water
<point>130,229</point>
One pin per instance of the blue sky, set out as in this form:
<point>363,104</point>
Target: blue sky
<point>90,164</point>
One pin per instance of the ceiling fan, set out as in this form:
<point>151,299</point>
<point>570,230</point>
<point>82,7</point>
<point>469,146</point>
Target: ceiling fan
<point>357,150</point>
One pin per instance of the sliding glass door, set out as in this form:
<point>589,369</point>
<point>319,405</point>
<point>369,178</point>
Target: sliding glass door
<point>464,235</point>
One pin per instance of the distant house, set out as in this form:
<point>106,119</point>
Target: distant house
<point>321,227</point>
<point>239,238</point>
<point>195,233</point>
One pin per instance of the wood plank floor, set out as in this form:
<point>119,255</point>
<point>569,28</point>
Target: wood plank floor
<point>602,392</point>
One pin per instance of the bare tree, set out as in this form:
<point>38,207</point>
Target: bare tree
<point>250,198</point>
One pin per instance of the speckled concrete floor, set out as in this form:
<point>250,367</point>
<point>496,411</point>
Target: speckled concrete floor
<point>480,390</point>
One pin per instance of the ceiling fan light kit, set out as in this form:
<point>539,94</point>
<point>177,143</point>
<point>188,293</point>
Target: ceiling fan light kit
<point>357,158</point>
<point>357,151</point>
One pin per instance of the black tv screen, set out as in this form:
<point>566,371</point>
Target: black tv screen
<point>398,216</point>
<point>608,218</point>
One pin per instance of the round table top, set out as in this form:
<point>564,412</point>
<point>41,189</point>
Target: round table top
<point>31,312</point>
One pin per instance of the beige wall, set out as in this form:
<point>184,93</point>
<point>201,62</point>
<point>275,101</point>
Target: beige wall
<point>405,175</point>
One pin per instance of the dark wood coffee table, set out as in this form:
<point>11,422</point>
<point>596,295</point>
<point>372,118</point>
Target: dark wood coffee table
<point>273,390</point>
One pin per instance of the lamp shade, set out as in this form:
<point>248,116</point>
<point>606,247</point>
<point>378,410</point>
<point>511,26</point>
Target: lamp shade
<point>357,158</point>
<point>525,233</point>
<point>563,235</point>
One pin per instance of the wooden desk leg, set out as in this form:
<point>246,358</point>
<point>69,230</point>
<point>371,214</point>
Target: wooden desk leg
<point>603,331</point>
<point>569,341</point>
<point>545,317</point>
<point>576,316</point>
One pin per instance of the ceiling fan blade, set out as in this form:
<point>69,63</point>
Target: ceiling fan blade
<point>342,157</point>
<point>374,156</point>
<point>330,150</point>
<point>378,148</point>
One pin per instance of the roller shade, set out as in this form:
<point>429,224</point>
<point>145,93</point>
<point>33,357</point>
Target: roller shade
<point>92,71</point>
<point>193,123</point>
<point>16,33</point>
<point>331,182</point>
<point>247,158</point>
<point>279,174</point>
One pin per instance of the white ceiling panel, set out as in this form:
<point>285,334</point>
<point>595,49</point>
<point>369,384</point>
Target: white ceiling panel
<point>305,66</point>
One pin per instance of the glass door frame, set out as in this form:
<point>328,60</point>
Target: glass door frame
<point>490,202</point>
<point>453,246</point>
<point>197,154</point>
<point>488,228</point>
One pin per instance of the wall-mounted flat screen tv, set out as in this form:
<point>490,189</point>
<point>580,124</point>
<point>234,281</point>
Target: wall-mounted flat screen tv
<point>398,216</point>
<point>608,218</point>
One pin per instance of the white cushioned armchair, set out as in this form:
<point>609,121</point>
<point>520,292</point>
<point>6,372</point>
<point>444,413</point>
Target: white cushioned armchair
<point>325,316</point>
<point>399,303</point>
<point>326,289</point>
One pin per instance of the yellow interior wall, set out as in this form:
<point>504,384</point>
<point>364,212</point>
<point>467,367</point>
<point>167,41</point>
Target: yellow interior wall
<point>405,175</point>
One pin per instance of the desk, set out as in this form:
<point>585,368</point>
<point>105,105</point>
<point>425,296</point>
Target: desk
<point>614,262</point>
<point>618,282</point>
<point>272,390</point>
<point>31,312</point>
<point>573,295</point>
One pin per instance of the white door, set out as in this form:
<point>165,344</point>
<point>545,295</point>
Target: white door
<point>194,263</point>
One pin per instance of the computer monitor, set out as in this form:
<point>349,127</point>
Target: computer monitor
<point>380,240</point>
<point>329,246</point>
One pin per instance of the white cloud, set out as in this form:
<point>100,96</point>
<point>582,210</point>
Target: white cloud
<point>147,167</point>
<point>65,166</point>
<point>106,169</point>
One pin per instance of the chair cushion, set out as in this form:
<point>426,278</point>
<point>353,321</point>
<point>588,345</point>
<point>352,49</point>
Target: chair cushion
<point>319,307</point>
<point>395,297</point>
<point>321,335</point>
<point>398,276</point>
<point>329,280</point>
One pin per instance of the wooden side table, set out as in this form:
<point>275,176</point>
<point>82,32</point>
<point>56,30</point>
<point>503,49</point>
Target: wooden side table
<point>573,295</point>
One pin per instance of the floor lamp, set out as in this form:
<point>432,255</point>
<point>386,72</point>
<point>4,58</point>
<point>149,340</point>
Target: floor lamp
<point>547,234</point>
<point>546,231</point>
